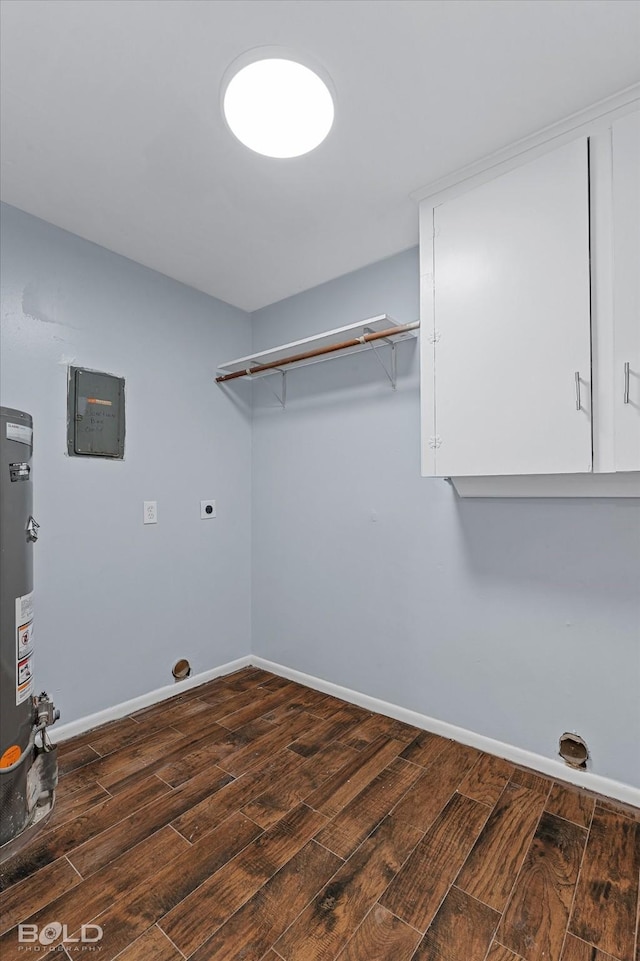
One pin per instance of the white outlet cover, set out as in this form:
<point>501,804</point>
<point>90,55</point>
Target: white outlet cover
<point>150,512</point>
<point>207,510</point>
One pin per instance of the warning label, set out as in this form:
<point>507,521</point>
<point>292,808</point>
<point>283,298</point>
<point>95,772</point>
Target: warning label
<point>25,640</point>
<point>24,673</point>
<point>24,647</point>
<point>10,756</point>
<point>19,432</point>
<point>24,608</point>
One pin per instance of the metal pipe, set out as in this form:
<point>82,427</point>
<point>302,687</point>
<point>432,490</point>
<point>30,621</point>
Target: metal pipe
<point>318,352</point>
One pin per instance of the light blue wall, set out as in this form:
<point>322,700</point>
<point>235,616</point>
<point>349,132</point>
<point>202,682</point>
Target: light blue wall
<point>515,619</point>
<point>117,602</point>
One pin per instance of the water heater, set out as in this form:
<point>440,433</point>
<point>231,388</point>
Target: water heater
<point>28,763</point>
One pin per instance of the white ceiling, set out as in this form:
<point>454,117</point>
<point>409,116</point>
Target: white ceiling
<point>111,126</point>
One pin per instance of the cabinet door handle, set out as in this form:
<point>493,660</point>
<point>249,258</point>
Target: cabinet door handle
<point>626,382</point>
<point>578,403</point>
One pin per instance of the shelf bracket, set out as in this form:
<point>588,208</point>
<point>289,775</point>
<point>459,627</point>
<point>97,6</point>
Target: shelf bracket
<point>393,373</point>
<point>282,396</point>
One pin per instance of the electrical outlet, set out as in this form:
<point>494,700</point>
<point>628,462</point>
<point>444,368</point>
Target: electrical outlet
<point>150,512</point>
<point>207,510</point>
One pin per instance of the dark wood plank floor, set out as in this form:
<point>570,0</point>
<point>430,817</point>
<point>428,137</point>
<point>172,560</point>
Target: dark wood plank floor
<point>253,819</point>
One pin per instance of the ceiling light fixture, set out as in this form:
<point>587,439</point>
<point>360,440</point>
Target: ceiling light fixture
<point>278,107</point>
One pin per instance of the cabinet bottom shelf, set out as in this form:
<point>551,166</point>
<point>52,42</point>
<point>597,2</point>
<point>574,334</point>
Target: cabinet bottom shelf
<point>625,484</point>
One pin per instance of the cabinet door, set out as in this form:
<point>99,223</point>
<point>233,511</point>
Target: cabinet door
<point>512,350</point>
<point>626,290</point>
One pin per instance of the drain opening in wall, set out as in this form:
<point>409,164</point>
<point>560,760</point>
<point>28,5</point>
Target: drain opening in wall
<point>181,669</point>
<point>573,750</point>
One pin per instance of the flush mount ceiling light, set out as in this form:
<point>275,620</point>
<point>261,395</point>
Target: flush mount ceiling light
<point>278,107</point>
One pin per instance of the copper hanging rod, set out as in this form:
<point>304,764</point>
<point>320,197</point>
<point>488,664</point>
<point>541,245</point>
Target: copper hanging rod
<point>319,351</point>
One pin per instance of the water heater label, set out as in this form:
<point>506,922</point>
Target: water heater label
<point>24,435</point>
<point>24,647</point>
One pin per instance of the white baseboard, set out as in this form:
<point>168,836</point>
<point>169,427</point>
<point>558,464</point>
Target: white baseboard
<point>73,728</point>
<point>545,765</point>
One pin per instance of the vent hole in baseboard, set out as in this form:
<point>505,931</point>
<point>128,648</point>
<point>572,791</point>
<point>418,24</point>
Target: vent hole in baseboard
<point>181,669</point>
<point>574,751</point>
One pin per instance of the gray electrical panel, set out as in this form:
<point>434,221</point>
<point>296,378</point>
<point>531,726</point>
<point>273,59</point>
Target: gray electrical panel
<point>95,414</point>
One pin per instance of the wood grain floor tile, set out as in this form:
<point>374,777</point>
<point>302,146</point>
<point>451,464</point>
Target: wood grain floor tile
<point>338,790</point>
<point>313,701</point>
<point>400,731</point>
<point>462,930</point>
<point>536,918</point>
<point>375,726</point>
<point>72,760</point>
<point>69,806</point>
<point>152,946</point>
<point>325,926</point>
<point>284,712</point>
<point>189,714</point>
<point>342,712</point>
<point>417,891</point>
<point>91,897</point>
<point>618,807</point>
<point>321,733</point>
<point>62,840</point>
<point>222,687</point>
<point>118,736</point>
<point>270,806</point>
<point>423,803</point>
<point>576,950</point>
<point>111,843</point>
<point>196,759</point>
<point>493,865</point>
<point>486,780</point>
<point>359,818</point>
<point>381,936</point>
<point>253,929</point>
<point>268,744</point>
<point>200,915</point>
<point>220,708</point>
<point>148,717</point>
<point>204,816</point>
<point>123,730</point>
<point>260,706</point>
<point>195,726</point>
<point>117,765</point>
<point>605,908</point>
<point>248,677</point>
<point>425,748</point>
<point>28,896</point>
<point>537,783</point>
<point>312,845</point>
<point>274,683</point>
<point>571,804</point>
<point>498,952</point>
<point>146,903</point>
<point>179,750</point>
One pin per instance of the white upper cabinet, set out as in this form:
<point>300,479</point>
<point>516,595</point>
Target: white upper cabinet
<point>530,319</point>
<point>626,291</point>
<point>511,322</point>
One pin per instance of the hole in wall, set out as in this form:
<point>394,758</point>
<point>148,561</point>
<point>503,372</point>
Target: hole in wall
<point>573,750</point>
<point>181,669</point>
